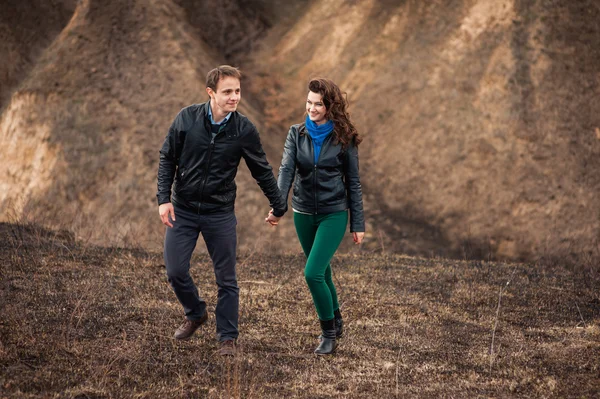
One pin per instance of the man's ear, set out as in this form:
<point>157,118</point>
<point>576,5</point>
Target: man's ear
<point>210,92</point>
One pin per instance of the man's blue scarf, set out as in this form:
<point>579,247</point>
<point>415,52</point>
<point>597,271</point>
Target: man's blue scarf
<point>318,134</point>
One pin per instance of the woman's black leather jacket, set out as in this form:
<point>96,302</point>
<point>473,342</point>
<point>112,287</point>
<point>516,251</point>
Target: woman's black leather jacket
<point>330,185</point>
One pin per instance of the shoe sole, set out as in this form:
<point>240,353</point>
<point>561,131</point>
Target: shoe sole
<point>325,354</point>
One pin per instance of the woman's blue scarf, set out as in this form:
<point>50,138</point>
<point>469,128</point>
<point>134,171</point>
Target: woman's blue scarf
<point>318,134</point>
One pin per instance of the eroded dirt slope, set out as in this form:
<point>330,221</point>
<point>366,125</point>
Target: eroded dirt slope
<point>81,136</point>
<point>26,29</point>
<point>480,131</point>
<point>481,136</point>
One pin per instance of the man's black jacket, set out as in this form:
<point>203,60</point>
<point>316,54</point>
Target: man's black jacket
<point>204,168</point>
<point>330,185</point>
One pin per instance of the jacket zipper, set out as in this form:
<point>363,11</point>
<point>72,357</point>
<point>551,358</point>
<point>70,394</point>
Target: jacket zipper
<point>315,170</point>
<point>210,151</point>
<point>315,190</point>
<point>312,156</point>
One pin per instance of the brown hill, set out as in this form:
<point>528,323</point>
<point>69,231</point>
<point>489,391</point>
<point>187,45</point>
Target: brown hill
<point>80,137</point>
<point>26,29</point>
<point>480,132</point>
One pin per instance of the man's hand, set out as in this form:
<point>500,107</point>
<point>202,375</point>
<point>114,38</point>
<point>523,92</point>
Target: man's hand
<point>358,237</point>
<point>272,219</point>
<point>166,210</point>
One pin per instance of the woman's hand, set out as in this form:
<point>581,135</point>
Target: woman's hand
<point>358,237</point>
<point>272,219</point>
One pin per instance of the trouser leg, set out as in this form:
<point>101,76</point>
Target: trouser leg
<point>219,232</point>
<point>306,229</point>
<point>320,236</point>
<point>329,281</point>
<point>180,241</point>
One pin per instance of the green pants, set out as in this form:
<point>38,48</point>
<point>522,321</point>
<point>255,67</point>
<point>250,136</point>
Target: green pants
<point>320,236</point>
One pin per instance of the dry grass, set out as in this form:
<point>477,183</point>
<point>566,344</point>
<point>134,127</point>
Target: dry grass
<point>92,322</point>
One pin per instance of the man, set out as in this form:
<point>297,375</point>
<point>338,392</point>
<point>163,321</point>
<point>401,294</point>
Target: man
<point>201,154</point>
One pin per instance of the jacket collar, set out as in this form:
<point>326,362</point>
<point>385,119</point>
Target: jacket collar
<point>230,128</point>
<point>210,116</point>
<point>302,129</point>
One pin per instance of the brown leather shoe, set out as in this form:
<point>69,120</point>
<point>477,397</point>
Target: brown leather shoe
<point>189,327</point>
<point>227,348</point>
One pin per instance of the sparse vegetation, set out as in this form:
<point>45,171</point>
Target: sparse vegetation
<point>80,321</point>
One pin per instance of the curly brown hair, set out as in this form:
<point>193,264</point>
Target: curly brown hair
<point>336,103</point>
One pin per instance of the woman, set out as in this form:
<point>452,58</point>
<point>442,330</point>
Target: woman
<point>322,154</point>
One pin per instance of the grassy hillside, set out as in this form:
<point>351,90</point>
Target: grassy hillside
<point>79,321</point>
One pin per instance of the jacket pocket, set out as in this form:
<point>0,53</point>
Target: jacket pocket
<point>182,177</point>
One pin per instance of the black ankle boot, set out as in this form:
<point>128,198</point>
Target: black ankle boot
<point>339,323</point>
<point>327,345</point>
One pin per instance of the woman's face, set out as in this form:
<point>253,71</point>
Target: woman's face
<point>315,108</point>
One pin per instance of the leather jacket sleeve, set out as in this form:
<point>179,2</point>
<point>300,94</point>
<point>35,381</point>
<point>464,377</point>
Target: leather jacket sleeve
<point>287,169</point>
<point>261,171</point>
<point>169,159</point>
<point>357,219</point>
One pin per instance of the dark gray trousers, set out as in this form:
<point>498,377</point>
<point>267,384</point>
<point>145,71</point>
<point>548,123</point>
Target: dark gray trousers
<point>219,233</point>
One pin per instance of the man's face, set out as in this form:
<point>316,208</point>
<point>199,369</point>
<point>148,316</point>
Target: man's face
<point>227,96</point>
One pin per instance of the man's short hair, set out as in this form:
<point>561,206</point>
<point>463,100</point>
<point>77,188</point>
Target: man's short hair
<point>214,75</point>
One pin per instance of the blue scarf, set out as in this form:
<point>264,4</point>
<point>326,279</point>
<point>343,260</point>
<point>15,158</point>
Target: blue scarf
<point>318,134</point>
